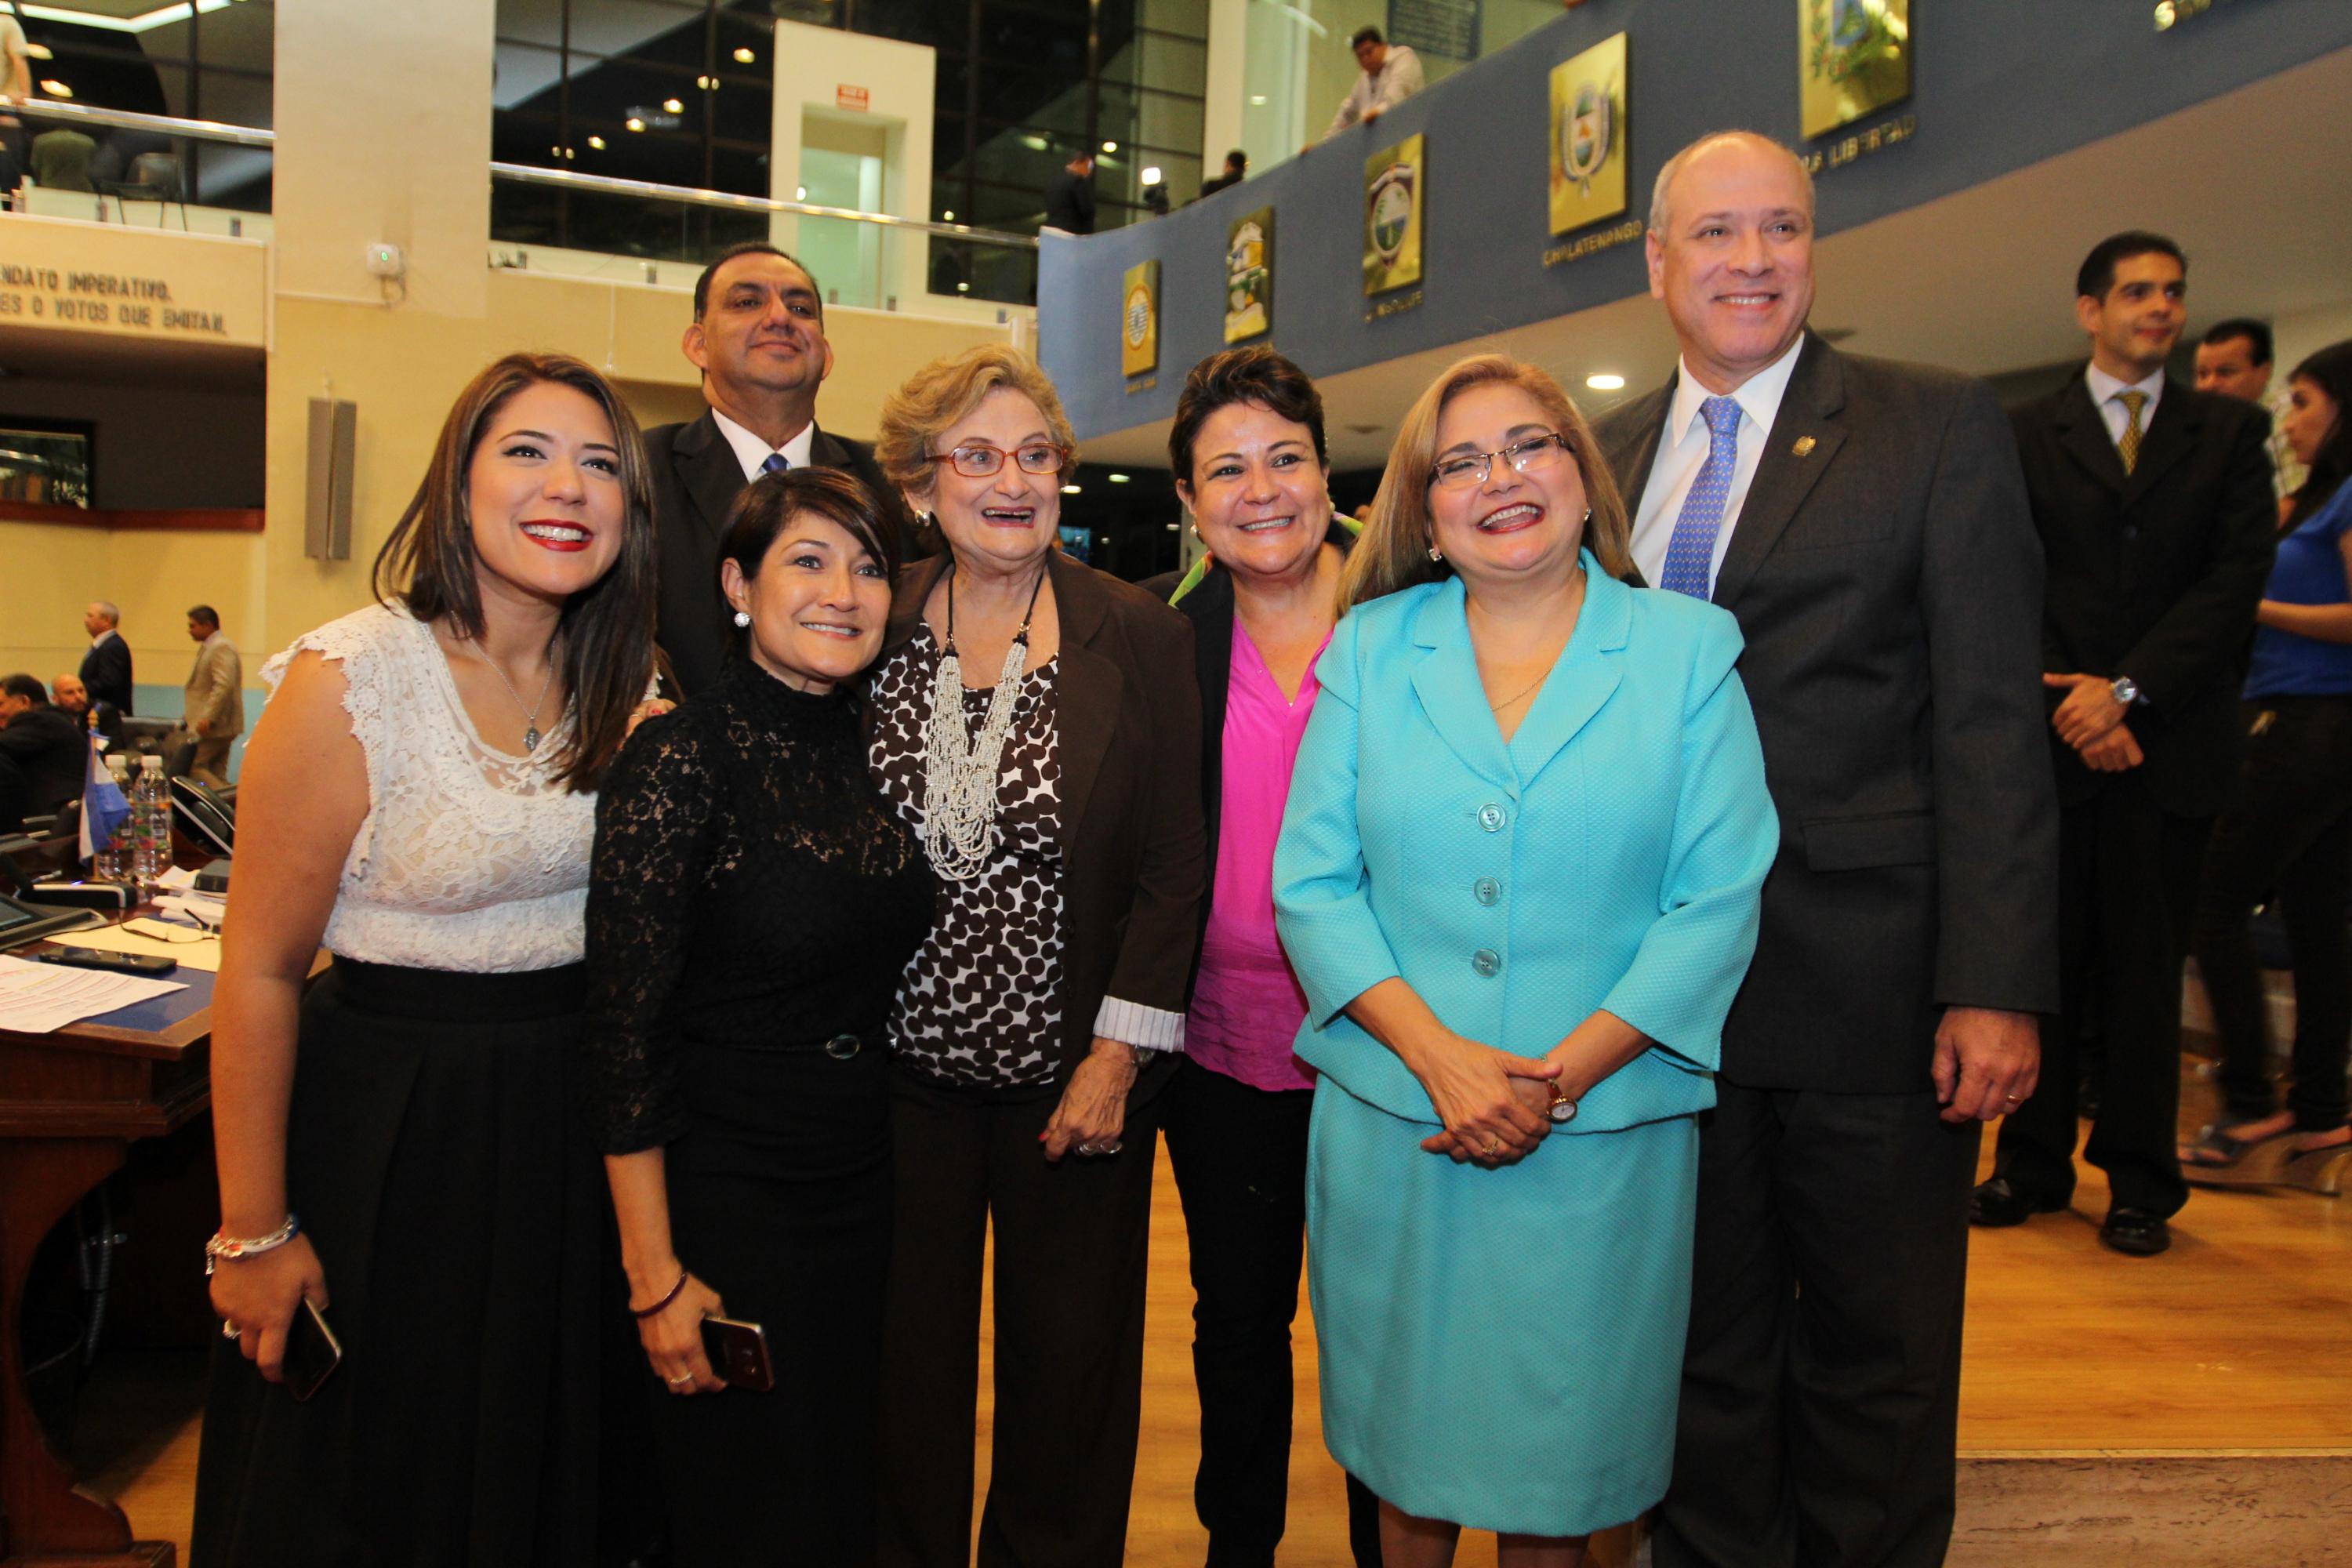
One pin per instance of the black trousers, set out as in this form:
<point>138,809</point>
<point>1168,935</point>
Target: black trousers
<point>1820,1408</point>
<point>2128,884</point>
<point>2291,830</point>
<point>1239,1155</point>
<point>1071,1248</point>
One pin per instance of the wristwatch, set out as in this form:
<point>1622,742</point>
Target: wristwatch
<point>1562,1110</point>
<point>2125,689</point>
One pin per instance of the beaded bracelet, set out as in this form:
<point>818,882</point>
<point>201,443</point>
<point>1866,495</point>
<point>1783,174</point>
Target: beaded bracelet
<point>222,1246</point>
<point>666,1300</point>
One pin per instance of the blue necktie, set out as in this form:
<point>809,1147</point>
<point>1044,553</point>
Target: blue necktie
<point>775,463</point>
<point>1690,552</point>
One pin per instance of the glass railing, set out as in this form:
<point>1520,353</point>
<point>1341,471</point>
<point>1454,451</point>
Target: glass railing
<point>556,220</point>
<point>117,165</point>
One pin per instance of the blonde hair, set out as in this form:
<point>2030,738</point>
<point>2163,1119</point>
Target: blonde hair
<point>938,396</point>
<point>1394,553</point>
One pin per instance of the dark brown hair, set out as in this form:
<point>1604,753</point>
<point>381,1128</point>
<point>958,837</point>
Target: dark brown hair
<point>1252,375</point>
<point>749,248</point>
<point>2330,370</point>
<point>428,564</point>
<point>768,504</point>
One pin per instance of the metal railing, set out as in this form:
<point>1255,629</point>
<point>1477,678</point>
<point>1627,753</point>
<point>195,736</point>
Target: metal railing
<point>131,119</point>
<point>606,184</point>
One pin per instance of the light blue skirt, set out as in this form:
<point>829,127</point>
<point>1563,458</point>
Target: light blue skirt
<point>1501,1349</point>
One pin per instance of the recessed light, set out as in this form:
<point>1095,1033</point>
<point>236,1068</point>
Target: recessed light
<point>634,123</point>
<point>949,216</point>
<point>1110,146</point>
<point>963,288</point>
<point>1605,383</point>
<point>597,143</point>
<point>744,56</point>
<point>1151,174</point>
<point>1066,489</point>
<point>1258,101</point>
<point>800,192</point>
<point>55,88</point>
<point>673,106</point>
<point>1118,478</point>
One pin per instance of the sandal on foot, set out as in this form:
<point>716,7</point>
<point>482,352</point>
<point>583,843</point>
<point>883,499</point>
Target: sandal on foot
<point>2216,1149</point>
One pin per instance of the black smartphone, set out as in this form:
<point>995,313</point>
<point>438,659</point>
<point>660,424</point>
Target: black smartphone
<point>311,1351</point>
<point>737,1351</point>
<point>145,966</point>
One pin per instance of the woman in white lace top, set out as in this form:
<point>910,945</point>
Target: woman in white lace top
<point>420,799</point>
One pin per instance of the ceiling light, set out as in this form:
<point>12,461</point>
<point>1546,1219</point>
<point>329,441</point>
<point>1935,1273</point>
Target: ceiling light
<point>800,192</point>
<point>949,216</point>
<point>1110,146</point>
<point>963,288</point>
<point>1151,174</point>
<point>634,123</point>
<point>707,83</point>
<point>597,143</point>
<point>1605,383</point>
<point>673,106</point>
<point>55,88</point>
<point>1035,144</point>
<point>1118,478</point>
<point>744,56</point>
<point>1172,528</point>
<point>1071,490</point>
<point>1258,101</point>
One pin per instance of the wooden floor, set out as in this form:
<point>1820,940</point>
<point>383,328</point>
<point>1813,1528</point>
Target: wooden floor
<point>2234,1340</point>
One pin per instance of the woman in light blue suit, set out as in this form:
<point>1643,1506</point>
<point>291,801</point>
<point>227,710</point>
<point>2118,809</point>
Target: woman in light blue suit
<point>1518,879</point>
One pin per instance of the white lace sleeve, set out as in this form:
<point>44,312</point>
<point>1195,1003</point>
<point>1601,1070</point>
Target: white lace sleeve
<point>468,859</point>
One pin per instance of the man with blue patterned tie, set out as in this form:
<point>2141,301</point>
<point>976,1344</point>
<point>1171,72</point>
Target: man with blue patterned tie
<point>758,337</point>
<point>1866,523</point>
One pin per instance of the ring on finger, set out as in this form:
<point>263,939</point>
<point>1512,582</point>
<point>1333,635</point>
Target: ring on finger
<point>230,1331</point>
<point>683,1378</point>
<point>1494,1145</point>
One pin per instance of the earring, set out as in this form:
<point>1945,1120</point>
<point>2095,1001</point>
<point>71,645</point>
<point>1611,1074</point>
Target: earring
<point>1588,514</point>
<point>743,617</point>
<point>1196,531</point>
<point>1435,554</point>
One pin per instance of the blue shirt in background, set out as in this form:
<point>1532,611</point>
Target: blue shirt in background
<point>2309,571</point>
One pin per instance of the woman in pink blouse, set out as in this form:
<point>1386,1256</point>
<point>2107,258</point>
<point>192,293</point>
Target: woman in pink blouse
<point>1248,451</point>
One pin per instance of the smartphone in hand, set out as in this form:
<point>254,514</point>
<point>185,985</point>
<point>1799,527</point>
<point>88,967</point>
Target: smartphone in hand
<point>312,1351</point>
<point>737,1351</point>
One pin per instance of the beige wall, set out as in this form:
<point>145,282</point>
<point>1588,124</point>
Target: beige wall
<point>365,156</point>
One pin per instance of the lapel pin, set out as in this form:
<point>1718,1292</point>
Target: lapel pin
<point>1804,447</point>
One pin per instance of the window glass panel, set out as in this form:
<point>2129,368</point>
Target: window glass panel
<point>524,74</point>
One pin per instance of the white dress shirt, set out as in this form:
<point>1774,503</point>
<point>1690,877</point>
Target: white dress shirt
<point>1400,77</point>
<point>1682,453</point>
<point>753,453</point>
<point>2109,393</point>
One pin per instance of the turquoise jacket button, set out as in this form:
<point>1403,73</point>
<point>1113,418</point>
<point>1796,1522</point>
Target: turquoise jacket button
<point>1487,962</point>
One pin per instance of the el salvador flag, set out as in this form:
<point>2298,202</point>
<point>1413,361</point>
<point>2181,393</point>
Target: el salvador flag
<point>103,809</point>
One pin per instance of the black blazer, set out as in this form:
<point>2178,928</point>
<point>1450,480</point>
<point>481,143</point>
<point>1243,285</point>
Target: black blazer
<point>1129,732</point>
<point>2154,575</point>
<point>696,479</point>
<point>50,756</point>
<point>1885,572</point>
<point>1209,608</point>
<point>106,673</point>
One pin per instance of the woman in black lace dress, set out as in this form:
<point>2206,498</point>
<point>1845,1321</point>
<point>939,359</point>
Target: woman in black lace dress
<point>752,904</point>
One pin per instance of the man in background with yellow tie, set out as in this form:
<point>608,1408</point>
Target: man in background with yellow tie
<point>2154,504</point>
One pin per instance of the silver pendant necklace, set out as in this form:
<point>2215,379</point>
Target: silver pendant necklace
<point>529,715</point>
<point>959,773</point>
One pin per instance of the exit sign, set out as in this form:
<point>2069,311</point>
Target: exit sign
<point>848,97</point>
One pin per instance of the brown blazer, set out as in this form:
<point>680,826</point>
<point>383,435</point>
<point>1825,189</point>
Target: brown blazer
<point>1134,862</point>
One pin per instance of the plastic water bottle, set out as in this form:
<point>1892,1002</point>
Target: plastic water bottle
<point>151,827</point>
<point>112,860</point>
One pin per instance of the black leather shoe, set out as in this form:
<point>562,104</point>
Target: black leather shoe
<point>2135,1233</point>
<point>1996,1203</point>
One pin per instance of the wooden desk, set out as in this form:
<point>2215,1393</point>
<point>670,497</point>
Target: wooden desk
<point>71,1103</point>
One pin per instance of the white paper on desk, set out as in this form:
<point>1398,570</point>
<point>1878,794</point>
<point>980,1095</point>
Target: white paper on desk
<point>205,953</point>
<point>37,998</point>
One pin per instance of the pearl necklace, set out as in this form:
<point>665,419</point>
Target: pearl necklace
<point>959,775</point>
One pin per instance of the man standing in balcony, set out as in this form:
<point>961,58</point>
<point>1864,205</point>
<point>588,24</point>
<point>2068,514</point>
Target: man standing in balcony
<point>1391,74</point>
<point>758,337</point>
<point>1866,523</point>
<point>1070,197</point>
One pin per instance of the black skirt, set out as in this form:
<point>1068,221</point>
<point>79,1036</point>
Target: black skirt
<point>454,1201</point>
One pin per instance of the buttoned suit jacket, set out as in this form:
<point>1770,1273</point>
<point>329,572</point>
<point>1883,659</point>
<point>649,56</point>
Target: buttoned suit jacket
<point>1885,572</point>
<point>2154,575</point>
<point>1608,855</point>
<point>214,705</point>
<point>696,478</point>
<point>106,672</point>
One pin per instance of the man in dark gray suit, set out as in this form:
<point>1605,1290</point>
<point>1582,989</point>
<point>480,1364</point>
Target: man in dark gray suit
<point>1865,522</point>
<point>758,337</point>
